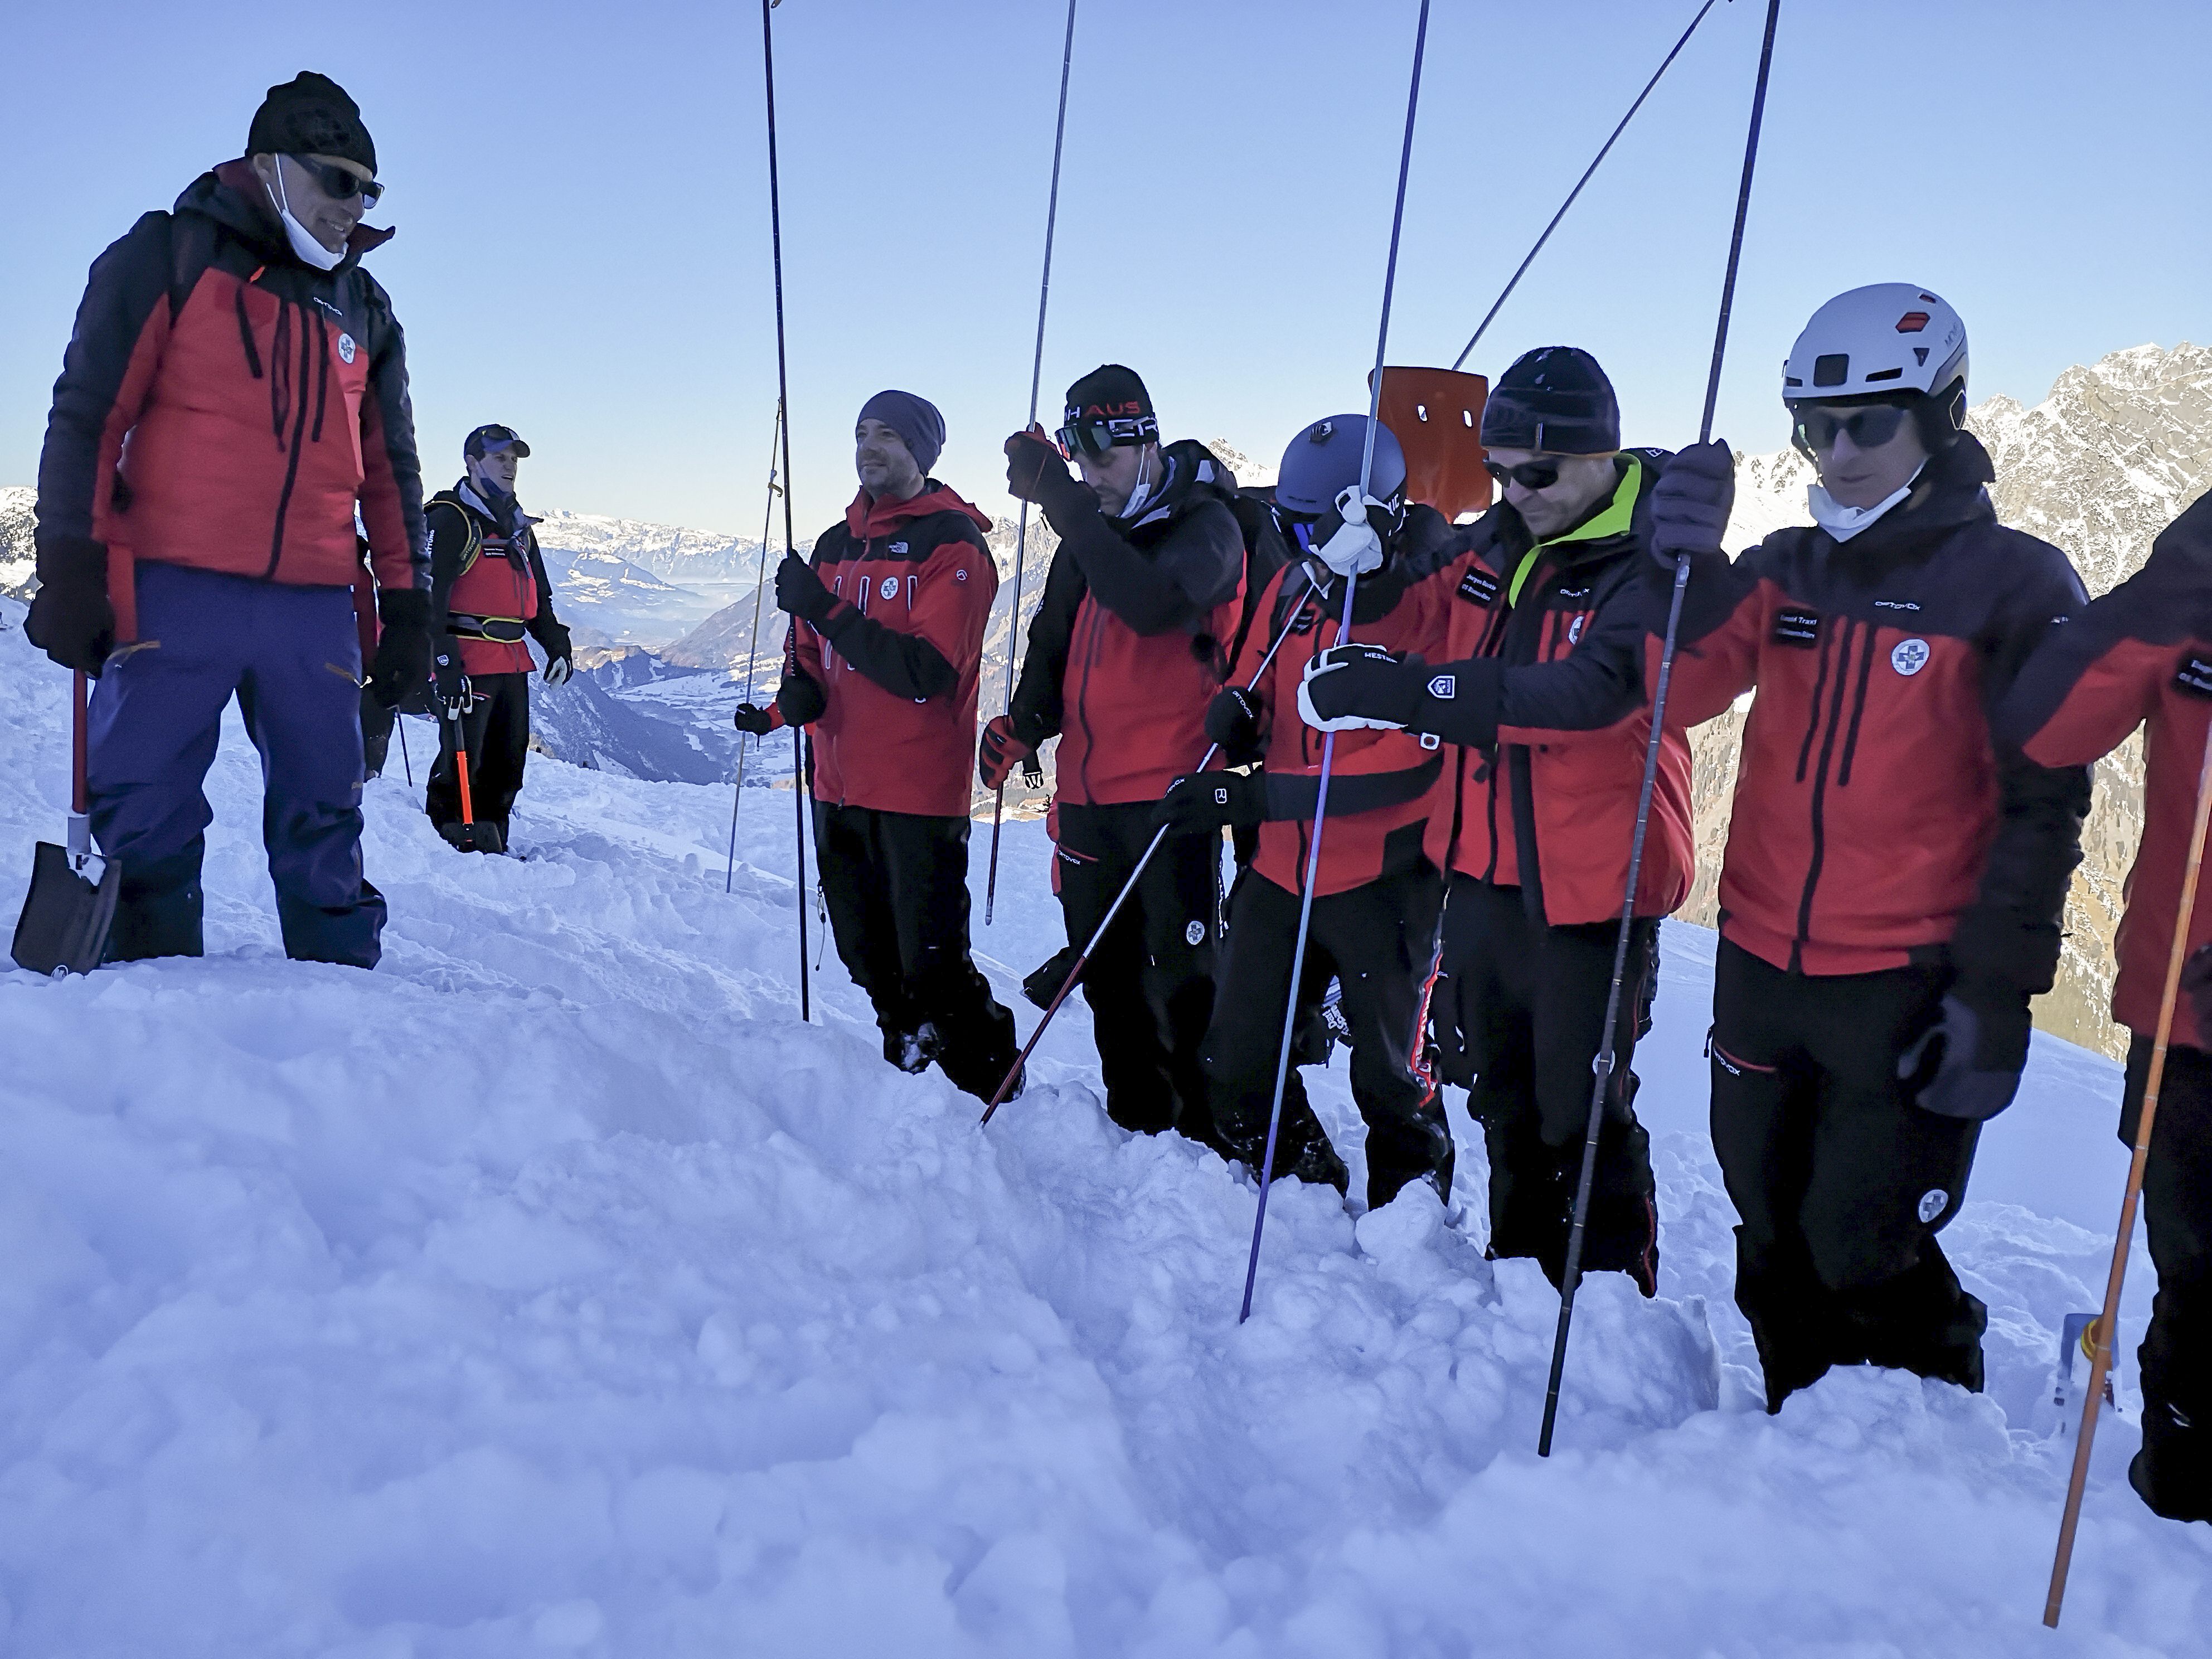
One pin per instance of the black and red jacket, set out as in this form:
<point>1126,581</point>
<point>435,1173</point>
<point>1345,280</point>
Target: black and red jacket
<point>896,660</point>
<point>223,405</point>
<point>1875,821</point>
<point>1379,782</point>
<point>1545,673</point>
<point>1131,640</point>
<point>2141,655</point>
<point>487,583</point>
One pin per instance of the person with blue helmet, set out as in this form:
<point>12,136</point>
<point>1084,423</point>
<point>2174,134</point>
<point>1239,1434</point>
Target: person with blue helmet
<point>1376,894</point>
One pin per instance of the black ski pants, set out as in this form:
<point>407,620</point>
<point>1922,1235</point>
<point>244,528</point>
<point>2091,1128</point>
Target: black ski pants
<point>1377,941</point>
<point>2176,1350</point>
<point>896,887</point>
<point>1519,1010</point>
<point>1150,984</point>
<point>497,731</point>
<point>1841,1183</point>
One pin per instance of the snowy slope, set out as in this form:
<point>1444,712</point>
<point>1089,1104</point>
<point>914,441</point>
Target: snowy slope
<point>554,1289</point>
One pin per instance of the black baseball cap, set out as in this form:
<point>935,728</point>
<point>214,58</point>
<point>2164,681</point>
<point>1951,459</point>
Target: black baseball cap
<point>491,441</point>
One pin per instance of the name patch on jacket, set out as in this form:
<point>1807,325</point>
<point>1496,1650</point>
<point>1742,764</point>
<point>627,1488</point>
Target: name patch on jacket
<point>1478,587</point>
<point>2194,677</point>
<point>1799,628</point>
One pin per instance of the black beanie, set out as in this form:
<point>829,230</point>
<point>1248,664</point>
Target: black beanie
<point>311,115</point>
<point>1555,398</point>
<point>1111,393</point>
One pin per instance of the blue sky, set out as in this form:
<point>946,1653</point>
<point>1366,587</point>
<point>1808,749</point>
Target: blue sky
<point>580,196</point>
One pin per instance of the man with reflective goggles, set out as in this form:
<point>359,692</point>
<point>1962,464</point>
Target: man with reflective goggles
<point>1894,879</point>
<point>234,389</point>
<point>1541,685</point>
<point>488,594</point>
<point>1131,640</point>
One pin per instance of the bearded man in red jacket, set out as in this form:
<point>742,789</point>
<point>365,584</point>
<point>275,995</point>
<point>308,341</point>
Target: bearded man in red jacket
<point>882,661</point>
<point>234,389</point>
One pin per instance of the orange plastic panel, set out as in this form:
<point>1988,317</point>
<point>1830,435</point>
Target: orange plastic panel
<point>1436,414</point>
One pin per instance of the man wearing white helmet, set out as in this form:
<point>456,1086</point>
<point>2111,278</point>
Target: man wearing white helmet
<point>1891,894</point>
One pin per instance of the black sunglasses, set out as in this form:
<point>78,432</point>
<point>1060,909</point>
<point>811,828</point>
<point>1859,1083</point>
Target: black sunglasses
<point>1870,427</point>
<point>1096,437</point>
<point>336,183</point>
<point>1529,474</point>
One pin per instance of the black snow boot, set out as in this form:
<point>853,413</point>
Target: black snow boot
<point>2172,1473</point>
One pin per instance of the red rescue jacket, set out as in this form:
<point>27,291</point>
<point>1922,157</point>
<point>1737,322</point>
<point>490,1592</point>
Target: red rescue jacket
<point>898,658</point>
<point>223,405</point>
<point>2141,655</point>
<point>1873,820</point>
<point>1379,782</point>
<point>1546,645</point>
<point>487,582</point>
<point>1125,689</point>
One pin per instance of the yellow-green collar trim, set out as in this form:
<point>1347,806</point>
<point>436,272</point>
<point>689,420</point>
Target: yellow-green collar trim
<point>1613,521</point>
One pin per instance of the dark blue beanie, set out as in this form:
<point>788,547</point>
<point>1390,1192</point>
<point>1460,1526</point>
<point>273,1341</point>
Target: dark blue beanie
<point>915,419</point>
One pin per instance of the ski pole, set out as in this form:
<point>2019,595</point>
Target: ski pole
<point>1343,636</point>
<point>2100,1363</point>
<point>752,651</point>
<point>783,410</point>
<point>400,721</point>
<point>1522,270</point>
<point>1602,1068</point>
<point>1098,934</point>
<point>1022,532</point>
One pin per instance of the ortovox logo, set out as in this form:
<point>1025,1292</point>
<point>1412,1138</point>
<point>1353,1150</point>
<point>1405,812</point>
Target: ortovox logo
<point>1195,934</point>
<point>1910,657</point>
<point>346,348</point>
<point>888,587</point>
<point>1933,1203</point>
<point>899,548</point>
<point>1895,604</point>
<point>1444,688</point>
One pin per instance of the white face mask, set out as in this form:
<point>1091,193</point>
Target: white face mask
<point>1844,522</point>
<point>1140,492</point>
<point>303,244</point>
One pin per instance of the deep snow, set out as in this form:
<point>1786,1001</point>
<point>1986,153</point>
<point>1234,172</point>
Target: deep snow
<point>553,1289</point>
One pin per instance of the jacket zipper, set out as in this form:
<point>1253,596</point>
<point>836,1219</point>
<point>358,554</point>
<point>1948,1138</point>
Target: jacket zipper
<point>1819,805</point>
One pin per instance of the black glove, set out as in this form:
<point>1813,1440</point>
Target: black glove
<point>1233,722</point>
<point>753,718</point>
<point>559,654</point>
<point>72,620</point>
<point>1691,501</point>
<point>800,699</point>
<point>998,750</point>
<point>1208,800</point>
<point>453,685</point>
<point>403,649</point>
<point>1364,682</point>
<point>1967,1063</point>
<point>799,592</point>
<point>1036,471</point>
<point>1044,982</point>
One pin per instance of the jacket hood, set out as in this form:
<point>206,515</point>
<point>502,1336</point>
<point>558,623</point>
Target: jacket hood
<point>233,195</point>
<point>867,517</point>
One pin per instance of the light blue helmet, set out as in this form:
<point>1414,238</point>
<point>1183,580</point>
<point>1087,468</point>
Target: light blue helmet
<point>1323,462</point>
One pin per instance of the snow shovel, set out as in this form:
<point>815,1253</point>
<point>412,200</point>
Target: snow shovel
<point>1435,415</point>
<point>70,905</point>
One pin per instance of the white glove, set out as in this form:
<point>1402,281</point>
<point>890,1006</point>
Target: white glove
<point>1355,549</point>
<point>1334,660</point>
<point>557,669</point>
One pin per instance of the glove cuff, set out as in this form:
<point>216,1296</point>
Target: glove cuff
<point>1998,948</point>
<point>62,558</point>
<point>404,607</point>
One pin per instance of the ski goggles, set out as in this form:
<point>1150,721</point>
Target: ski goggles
<point>1869,426</point>
<point>337,183</point>
<point>1096,437</point>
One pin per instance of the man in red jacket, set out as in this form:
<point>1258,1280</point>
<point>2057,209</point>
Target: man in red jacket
<point>235,387</point>
<point>885,646</point>
<point>488,591</point>
<point>1376,894</point>
<point>2141,655</point>
<point>1891,894</point>
<point>1546,635</point>
<point>1130,641</point>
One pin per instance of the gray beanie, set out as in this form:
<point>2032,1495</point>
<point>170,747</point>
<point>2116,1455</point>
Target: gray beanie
<point>915,419</point>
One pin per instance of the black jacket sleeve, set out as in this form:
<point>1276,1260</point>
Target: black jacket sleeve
<point>1172,585</point>
<point>1038,705</point>
<point>905,664</point>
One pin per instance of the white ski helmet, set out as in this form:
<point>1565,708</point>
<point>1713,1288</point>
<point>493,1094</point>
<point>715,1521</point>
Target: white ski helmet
<point>1885,340</point>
